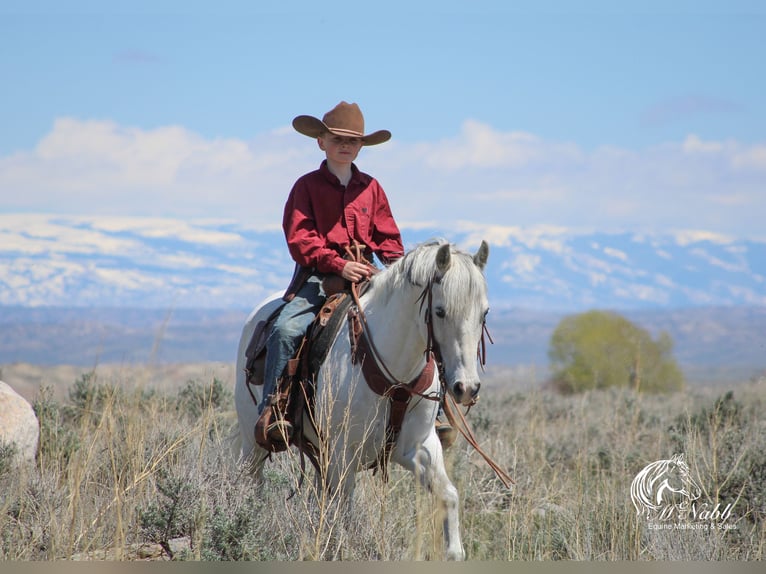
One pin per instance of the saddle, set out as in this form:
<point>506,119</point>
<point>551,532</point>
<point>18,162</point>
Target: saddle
<point>295,389</point>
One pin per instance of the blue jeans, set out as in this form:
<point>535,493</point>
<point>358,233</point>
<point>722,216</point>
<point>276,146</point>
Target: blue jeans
<point>288,330</point>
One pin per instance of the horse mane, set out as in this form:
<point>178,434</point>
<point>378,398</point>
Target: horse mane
<point>643,488</point>
<point>462,283</point>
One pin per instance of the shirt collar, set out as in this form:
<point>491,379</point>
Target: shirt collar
<point>332,178</point>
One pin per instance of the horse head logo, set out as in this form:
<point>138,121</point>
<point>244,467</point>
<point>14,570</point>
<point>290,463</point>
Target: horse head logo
<point>664,485</point>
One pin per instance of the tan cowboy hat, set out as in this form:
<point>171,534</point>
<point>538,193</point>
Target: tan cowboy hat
<point>344,120</point>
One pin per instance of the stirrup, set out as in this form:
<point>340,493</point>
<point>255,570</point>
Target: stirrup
<point>445,431</point>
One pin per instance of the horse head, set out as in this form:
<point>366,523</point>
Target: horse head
<point>664,484</point>
<point>458,308</point>
<point>681,482</point>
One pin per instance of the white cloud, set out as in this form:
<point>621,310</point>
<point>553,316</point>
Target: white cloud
<point>188,231</point>
<point>686,237</point>
<point>693,144</point>
<point>127,279</point>
<point>525,263</point>
<point>730,199</point>
<point>36,234</point>
<point>616,253</point>
<point>749,296</point>
<point>547,237</point>
<point>645,293</point>
<point>238,270</point>
<point>104,168</point>
<point>480,146</point>
<point>739,266</point>
<point>664,281</point>
<point>538,195</point>
<point>596,279</point>
<point>499,180</point>
<point>751,158</point>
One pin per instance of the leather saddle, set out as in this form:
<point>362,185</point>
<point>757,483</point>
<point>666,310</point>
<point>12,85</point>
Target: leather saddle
<point>295,389</point>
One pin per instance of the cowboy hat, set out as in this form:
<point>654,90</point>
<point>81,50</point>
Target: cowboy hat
<point>344,120</point>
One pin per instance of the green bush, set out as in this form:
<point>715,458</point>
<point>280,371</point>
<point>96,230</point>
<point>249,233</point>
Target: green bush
<point>88,398</point>
<point>735,468</point>
<point>230,534</point>
<point>7,454</point>
<point>59,440</point>
<point>195,398</point>
<point>601,349</point>
<point>173,514</point>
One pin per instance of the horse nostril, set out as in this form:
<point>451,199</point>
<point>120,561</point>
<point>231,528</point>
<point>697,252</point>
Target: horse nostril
<point>459,389</point>
<point>475,390</point>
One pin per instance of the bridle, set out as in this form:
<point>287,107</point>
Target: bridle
<point>363,343</point>
<point>432,345</point>
<point>400,392</point>
<point>454,414</point>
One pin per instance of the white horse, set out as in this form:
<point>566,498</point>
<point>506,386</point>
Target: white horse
<point>434,283</point>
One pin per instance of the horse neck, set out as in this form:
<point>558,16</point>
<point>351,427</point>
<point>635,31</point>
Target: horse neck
<point>396,328</point>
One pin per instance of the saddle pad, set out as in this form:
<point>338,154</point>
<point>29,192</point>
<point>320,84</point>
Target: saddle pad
<point>257,345</point>
<point>325,328</point>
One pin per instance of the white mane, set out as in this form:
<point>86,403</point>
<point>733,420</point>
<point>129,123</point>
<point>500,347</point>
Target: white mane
<point>462,283</point>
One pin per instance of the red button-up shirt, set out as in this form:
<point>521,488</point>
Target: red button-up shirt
<point>322,217</point>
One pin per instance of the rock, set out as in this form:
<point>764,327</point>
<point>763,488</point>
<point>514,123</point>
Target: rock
<point>179,546</point>
<point>18,424</point>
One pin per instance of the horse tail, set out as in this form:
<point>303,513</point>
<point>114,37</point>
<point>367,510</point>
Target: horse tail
<point>234,440</point>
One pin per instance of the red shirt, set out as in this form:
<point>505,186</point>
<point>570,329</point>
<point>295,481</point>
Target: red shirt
<point>322,217</point>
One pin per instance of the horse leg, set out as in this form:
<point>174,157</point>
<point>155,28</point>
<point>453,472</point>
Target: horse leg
<point>426,462</point>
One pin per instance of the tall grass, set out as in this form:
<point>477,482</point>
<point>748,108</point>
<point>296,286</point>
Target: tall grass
<point>132,473</point>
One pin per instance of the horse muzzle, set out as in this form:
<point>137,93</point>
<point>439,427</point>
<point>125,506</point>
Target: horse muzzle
<point>465,393</point>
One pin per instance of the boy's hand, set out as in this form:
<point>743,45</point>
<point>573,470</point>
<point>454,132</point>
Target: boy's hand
<point>355,272</point>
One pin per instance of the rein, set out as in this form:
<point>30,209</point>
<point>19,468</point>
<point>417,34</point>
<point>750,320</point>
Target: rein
<point>400,392</point>
<point>390,384</point>
<point>391,381</point>
<point>450,407</point>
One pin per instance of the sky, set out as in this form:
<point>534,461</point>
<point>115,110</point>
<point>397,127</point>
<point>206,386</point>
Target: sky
<point>609,116</point>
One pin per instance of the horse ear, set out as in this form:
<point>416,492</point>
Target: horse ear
<point>443,258</point>
<point>482,255</point>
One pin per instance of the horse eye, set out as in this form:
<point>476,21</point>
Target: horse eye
<point>440,312</point>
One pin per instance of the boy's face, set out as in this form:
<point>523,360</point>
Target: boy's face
<point>340,149</point>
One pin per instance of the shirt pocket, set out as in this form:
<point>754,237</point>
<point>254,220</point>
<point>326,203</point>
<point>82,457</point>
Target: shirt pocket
<point>363,216</point>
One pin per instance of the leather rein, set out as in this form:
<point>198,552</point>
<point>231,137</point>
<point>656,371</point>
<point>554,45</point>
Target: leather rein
<point>384,383</point>
<point>378,376</point>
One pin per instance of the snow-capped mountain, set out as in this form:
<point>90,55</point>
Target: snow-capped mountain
<point>82,290</point>
<point>51,260</point>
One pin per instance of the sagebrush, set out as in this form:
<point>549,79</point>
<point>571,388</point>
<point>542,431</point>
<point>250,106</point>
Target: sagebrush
<point>123,470</point>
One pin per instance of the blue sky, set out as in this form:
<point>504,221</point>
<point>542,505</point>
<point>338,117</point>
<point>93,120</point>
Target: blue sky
<point>592,115</point>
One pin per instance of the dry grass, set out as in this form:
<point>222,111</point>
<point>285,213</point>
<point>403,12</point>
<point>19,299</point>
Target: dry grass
<point>132,472</point>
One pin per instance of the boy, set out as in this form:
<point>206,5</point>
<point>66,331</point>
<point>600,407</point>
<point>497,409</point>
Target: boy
<point>326,211</point>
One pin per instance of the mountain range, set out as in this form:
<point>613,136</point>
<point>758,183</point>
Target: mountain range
<point>121,288</point>
<point>166,263</point>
